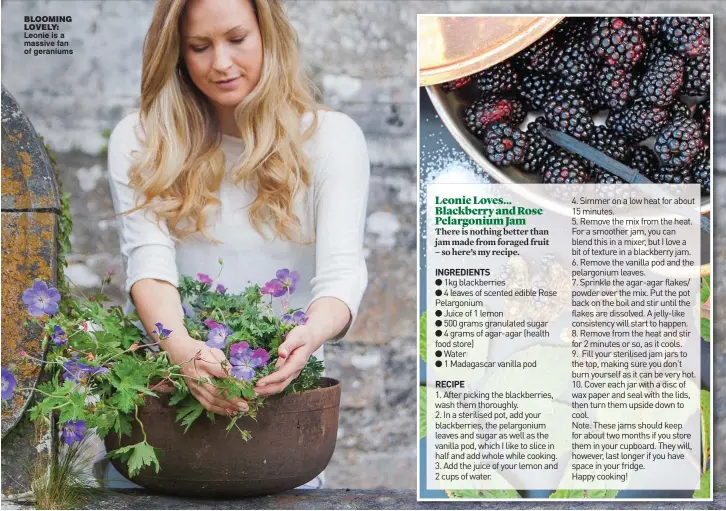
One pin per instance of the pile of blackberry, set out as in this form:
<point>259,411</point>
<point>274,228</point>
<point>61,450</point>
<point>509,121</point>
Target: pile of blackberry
<point>634,88</point>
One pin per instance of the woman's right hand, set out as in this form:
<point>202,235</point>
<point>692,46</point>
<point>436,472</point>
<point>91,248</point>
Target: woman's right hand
<point>197,362</point>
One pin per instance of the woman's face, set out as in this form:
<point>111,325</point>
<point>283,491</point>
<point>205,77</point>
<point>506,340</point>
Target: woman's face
<point>222,49</point>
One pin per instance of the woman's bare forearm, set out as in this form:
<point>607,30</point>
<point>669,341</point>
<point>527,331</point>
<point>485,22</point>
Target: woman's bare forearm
<point>327,317</point>
<point>158,301</point>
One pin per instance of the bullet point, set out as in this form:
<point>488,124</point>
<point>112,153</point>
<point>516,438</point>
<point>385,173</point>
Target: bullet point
<point>438,353</point>
<point>438,313</point>
<point>438,292</point>
<point>438,322</point>
<point>438,333</point>
<point>438,282</point>
<point>438,363</point>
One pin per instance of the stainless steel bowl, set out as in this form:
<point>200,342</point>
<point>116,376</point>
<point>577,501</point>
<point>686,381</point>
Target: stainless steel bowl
<point>449,107</point>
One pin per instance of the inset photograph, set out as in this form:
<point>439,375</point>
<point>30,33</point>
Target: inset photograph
<point>571,102</point>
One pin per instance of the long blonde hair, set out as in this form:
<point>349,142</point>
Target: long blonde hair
<point>181,163</point>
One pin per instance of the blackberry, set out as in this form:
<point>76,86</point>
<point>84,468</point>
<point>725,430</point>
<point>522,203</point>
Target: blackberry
<point>697,80</point>
<point>655,49</point>
<point>618,43</point>
<point>614,145</point>
<point>499,78</point>
<point>688,36</point>
<point>648,26</point>
<point>505,145</point>
<point>704,22</point>
<point>680,109</point>
<point>567,111</point>
<point>611,143</point>
<point>456,84</point>
<point>701,172</point>
<point>639,121</point>
<point>670,175</point>
<point>538,148</point>
<point>575,65</point>
<point>488,110</point>
<point>678,143</point>
<point>615,86</point>
<point>644,161</point>
<point>662,80</point>
<point>538,56</point>
<point>535,89</point>
<point>604,177</point>
<point>573,29</point>
<point>592,95</point>
<point>702,114</point>
<point>616,122</point>
<point>564,167</point>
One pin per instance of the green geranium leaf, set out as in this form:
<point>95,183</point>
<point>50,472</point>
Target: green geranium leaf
<point>124,399</point>
<point>189,411</point>
<point>177,398</point>
<point>483,494</point>
<point>422,337</point>
<point>122,425</point>
<point>705,491</point>
<point>138,456</point>
<point>706,329</point>
<point>422,411</point>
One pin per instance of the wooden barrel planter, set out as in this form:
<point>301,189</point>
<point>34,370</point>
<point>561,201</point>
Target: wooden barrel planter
<point>292,441</point>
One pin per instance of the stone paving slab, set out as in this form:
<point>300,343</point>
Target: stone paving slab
<point>364,499</point>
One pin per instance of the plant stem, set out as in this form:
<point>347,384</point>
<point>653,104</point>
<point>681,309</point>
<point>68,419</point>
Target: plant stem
<point>41,360</point>
<point>127,350</point>
<point>34,390</point>
<point>143,431</point>
<point>192,377</point>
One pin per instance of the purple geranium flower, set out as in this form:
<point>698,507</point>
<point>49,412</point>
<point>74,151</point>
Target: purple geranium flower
<point>245,360</point>
<point>237,348</point>
<point>221,289</point>
<point>59,337</point>
<point>162,332</point>
<point>76,371</point>
<point>217,336</point>
<point>211,324</point>
<point>288,279</point>
<point>73,431</point>
<point>41,299</point>
<point>274,288</point>
<point>204,278</point>
<point>297,318</point>
<point>8,384</point>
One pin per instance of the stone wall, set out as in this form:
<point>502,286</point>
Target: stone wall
<point>362,55</point>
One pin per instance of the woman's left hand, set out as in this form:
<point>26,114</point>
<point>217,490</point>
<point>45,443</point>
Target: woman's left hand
<point>293,354</point>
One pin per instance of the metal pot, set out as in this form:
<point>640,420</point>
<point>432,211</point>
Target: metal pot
<point>292,441</point>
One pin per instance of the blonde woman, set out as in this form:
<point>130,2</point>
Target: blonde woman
<point>230,158</point>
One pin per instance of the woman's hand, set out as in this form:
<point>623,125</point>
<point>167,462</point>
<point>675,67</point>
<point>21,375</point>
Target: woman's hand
<point>197,362</point>
<point>293,354</point>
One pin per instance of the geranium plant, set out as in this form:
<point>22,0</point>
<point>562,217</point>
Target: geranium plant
<point>102,367</point>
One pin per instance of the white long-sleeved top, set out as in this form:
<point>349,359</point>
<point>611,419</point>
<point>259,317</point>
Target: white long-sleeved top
<point>332,209</point>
